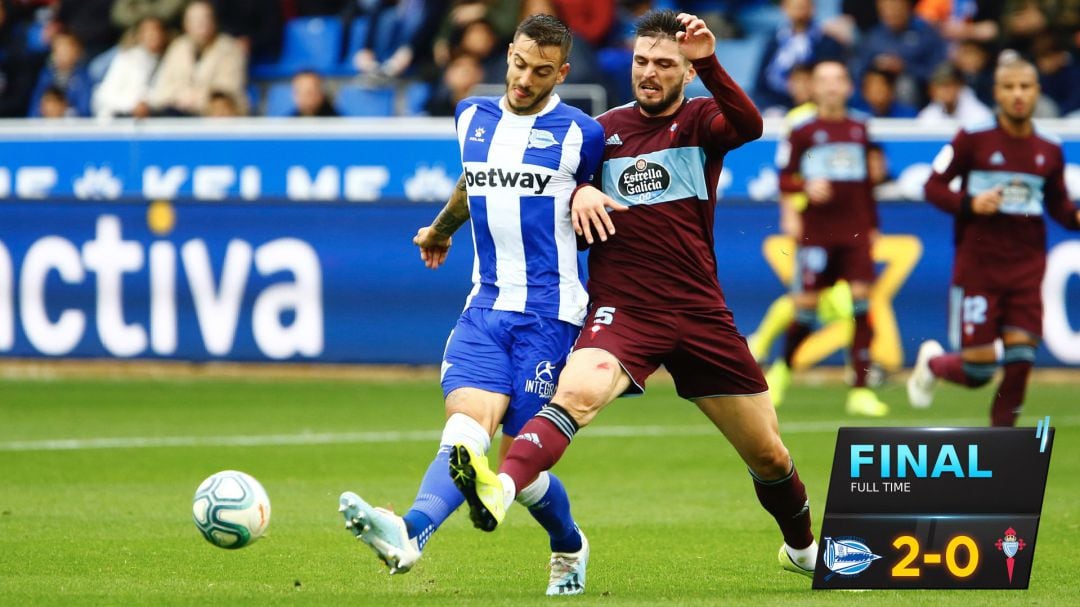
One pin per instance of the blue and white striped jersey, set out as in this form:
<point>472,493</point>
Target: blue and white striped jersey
<point>520,172</point>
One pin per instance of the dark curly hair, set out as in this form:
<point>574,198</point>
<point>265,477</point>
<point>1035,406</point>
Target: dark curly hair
<point>546,30</point>
<point>659,24</point>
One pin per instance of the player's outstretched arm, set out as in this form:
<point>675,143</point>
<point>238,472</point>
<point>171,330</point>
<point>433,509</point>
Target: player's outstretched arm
<point>589,210</point>
<point>740,120</point>
<point>434,240</point>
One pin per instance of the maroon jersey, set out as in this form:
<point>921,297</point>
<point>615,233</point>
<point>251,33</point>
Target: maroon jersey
<point>1006,249</point>
<point>834,150</point>
<point>666,170</point>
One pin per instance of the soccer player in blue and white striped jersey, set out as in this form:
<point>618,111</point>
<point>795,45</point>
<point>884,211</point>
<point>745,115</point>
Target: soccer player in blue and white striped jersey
<point>523,156</point>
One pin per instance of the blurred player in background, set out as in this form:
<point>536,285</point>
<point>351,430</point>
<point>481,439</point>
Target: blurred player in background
<point>1011,174</point>
<point>655,294</point>
<point>826,185</point>
<point>834,304</point>
<point>523,155</point>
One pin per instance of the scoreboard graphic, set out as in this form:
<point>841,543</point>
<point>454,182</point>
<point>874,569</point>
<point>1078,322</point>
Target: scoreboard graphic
<point>933,507</point>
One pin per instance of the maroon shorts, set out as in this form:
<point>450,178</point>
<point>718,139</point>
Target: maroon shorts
<point>819,267</point>
<point>979,315</point>
<point>702,350</point>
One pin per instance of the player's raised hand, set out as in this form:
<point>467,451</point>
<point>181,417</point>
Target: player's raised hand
<point>589,211</point>
<point>988,202</point>
<point>697,42</point>
<point>433,246</point>
<point>818,191</point>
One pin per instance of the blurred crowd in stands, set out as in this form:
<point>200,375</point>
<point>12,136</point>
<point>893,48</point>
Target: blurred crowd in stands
<point>925,59</point>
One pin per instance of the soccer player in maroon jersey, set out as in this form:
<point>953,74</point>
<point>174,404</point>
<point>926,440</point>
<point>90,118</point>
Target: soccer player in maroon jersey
<point>655,297</point>
<point>1011,174</point>
<point>823,162</point>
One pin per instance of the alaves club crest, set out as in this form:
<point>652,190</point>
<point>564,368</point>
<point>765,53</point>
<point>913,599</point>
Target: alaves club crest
<point>847,556</point>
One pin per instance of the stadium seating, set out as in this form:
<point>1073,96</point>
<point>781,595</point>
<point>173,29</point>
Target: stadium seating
<point>827,9</point>
<point>311,43</point>
<point>279,99</point>
<point>35,38</point>
<point>416,98</point>
<point>358,100</point>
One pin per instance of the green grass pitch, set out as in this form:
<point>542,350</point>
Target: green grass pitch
<point>97,476</point>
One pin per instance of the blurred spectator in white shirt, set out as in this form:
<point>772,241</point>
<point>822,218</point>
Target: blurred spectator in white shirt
<point>953,100</point>
<point>128,80</point>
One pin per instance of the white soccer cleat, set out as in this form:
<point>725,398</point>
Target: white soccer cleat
<point>382,530</point>
<point>568,570</point>
<point>921,383</point>
<point>803,564</point>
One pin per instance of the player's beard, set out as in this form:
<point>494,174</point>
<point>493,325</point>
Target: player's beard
<point>1018,117</point>
<point>533,102</point>
<point>655,108</point>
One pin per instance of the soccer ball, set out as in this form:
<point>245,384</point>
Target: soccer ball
<point>231,509</point>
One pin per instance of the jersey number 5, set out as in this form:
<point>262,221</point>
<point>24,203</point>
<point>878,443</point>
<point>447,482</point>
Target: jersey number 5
<point>604,315</point>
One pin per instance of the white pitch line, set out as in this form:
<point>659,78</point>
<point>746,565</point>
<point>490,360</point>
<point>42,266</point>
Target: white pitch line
<point>337,438</point>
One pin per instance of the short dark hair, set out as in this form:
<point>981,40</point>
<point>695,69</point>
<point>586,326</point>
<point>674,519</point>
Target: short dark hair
<point>802,67</point>
<point>546,30</point>
<point>889,76</point>
<point>220,95</point>
<point>55,92</point>
<point>659,24</point>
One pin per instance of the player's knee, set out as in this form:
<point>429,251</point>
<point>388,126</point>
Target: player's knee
<point>770,461</point>
<point>805,301</point>
<point>979,373</point>
<point>487,416</point>
<point>581,401</point>
<point>860,290</point>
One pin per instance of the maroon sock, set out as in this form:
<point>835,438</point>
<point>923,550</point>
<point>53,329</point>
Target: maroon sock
<point>539,445</point>
<point>797,332</point>
<point>860,348</point>
<point>950,367</point>
<point>1010,394</point>
<point>786,500</point>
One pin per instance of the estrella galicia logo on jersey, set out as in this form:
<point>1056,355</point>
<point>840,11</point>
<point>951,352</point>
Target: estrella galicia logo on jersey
<point>644,181</point>
<point>544,383</point>
<point>535,183</point>
<point>541,139</point>
<point>842,161</point>
<point>1016,192</point>
<point>848,556</point>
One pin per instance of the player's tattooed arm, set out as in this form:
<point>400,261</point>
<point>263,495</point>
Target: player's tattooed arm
<point>455,213</point>
<point>434,240</point>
